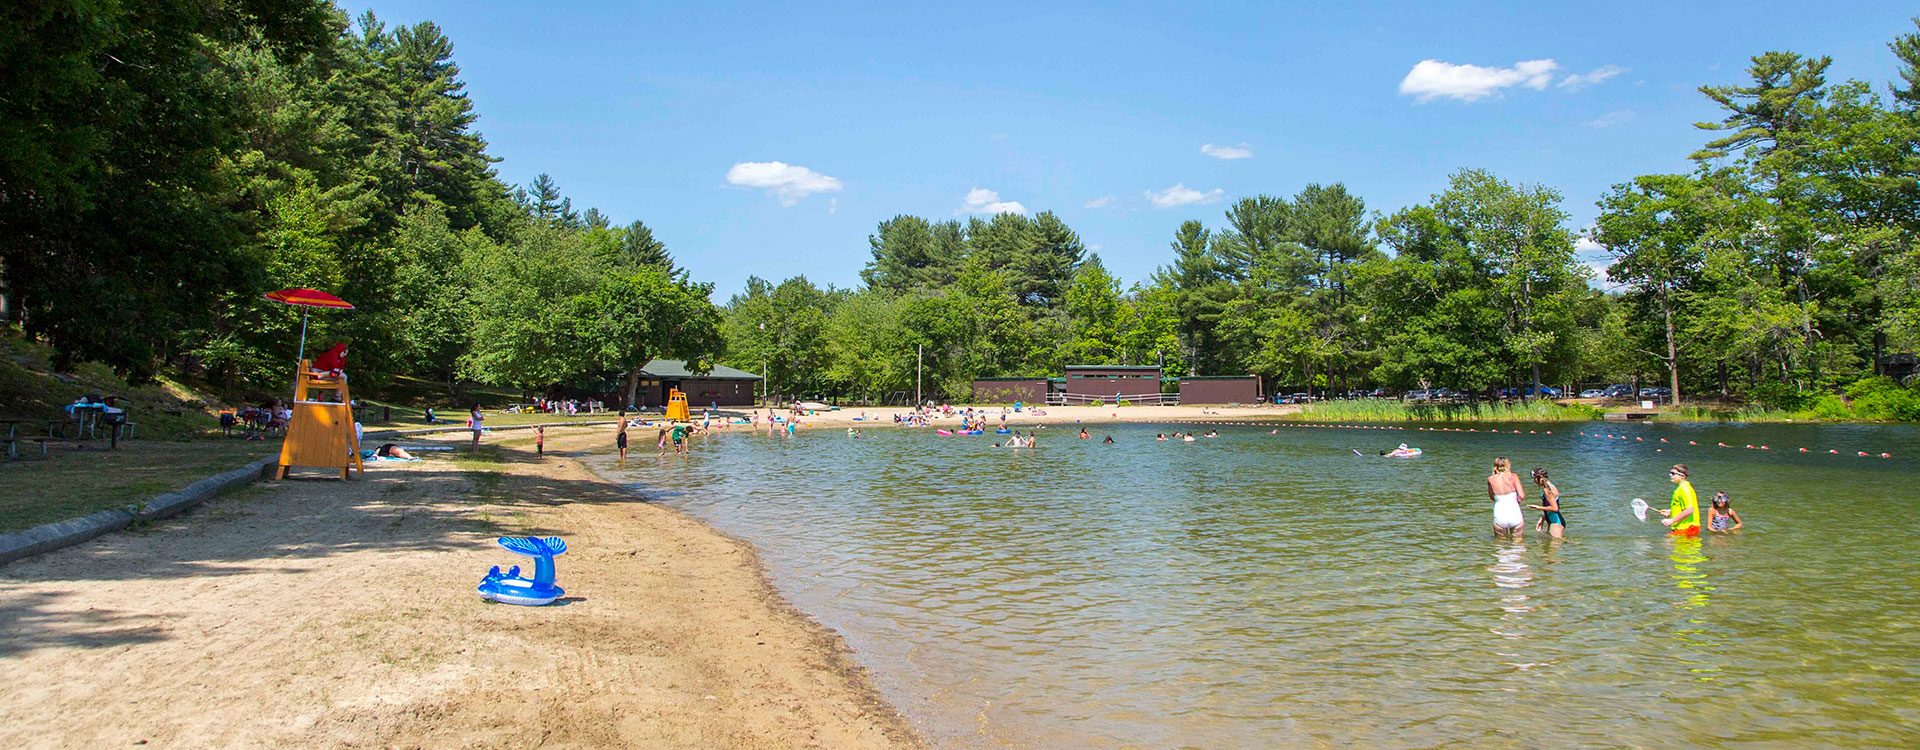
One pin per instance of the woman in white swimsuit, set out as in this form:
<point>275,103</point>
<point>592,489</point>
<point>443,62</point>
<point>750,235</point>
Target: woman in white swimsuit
<point>1506,491</point>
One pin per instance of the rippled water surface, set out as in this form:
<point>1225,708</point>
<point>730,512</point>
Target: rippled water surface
<point>1257,590</point>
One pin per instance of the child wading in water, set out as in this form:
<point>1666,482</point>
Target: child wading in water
<point>1549,507</point>
<point>1720,515</point>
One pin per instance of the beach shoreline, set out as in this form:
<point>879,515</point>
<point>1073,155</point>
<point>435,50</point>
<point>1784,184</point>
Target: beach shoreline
<point>315,613</point>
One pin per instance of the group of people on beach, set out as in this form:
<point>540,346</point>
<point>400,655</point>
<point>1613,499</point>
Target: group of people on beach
<point>1683,517</point>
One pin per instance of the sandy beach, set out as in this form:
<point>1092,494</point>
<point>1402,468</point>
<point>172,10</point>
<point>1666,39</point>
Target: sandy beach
<point>317,613</point>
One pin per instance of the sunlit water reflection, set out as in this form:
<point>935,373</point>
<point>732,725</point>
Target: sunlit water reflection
<point>1258,590</point>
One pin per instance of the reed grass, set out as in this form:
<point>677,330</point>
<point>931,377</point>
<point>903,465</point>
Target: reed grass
<point>1381,410</point>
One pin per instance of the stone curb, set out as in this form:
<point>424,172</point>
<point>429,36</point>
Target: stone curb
<point>52,536</point>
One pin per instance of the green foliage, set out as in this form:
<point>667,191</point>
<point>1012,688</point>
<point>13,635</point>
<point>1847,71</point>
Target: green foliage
<point>1773,395</point>
<point>1882,398</point>
<point>1383,410</point>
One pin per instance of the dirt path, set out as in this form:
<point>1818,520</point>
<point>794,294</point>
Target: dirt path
<point>315,613</point>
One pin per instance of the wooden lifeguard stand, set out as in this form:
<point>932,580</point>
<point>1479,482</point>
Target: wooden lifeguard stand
<point>677,406</point>
<point>321,432</point>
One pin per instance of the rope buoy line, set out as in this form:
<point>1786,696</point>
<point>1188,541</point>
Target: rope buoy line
<point>1489,431</point>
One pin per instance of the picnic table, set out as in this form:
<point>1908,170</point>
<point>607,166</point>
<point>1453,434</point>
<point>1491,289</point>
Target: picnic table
<point>13,439</point>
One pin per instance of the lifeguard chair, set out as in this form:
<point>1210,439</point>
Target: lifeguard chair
<point>321,433</point>
<point>677,406</point>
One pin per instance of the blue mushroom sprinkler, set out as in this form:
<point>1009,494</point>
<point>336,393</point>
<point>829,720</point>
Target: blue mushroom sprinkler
<point>510,588</point>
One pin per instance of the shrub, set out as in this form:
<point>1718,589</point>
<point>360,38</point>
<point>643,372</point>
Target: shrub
<point>1124,402</point>
<point>1882,398</point>
<point>1779,396</point>
<point>1826,406</point>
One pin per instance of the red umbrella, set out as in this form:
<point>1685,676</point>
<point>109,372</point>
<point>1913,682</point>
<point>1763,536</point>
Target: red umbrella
<point>307,298</point>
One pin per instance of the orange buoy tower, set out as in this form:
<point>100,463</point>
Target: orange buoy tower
<point>321,432</point>
<point>677,406</point>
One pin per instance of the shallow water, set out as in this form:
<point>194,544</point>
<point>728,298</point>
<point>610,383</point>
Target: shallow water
<point>1257,590</point>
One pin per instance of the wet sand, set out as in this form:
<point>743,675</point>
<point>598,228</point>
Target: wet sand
<point>317,613</point>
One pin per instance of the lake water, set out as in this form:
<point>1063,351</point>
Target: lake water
<point>1262,590</point>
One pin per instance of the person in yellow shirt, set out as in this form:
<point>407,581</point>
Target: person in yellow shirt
<point>1683,512</point>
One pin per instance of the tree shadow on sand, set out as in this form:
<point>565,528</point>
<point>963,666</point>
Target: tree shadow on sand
<point>446,503</point>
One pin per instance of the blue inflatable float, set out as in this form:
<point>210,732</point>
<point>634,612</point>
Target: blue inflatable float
<point>510,588</point>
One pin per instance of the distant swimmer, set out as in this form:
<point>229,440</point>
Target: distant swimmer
<point>1550,517</point>
<point>1108,441</point>
<point>1162,437</point>
<point>1506,492</point>
<point>1720,515</point>
<point>1212,433</point>
<point>1187,438</point>
<point>1083,433</point>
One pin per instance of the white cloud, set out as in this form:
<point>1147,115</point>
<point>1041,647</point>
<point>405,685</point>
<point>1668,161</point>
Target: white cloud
<point>1586,246</point>
<point>984,201</point>
<point>1181,195</point>
<point>1241,151</point>
<point>1094,248</point>
<point>1610,119</point>
<point>1100,202</point>
<point>833,205</point>
<point>1599,268</point>
<point>1578,81</point>
<point>787,182</point>
<point>1431,79</point>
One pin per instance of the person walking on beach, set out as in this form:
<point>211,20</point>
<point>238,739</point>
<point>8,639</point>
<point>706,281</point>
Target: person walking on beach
<point>1506,492</point>
<point>540,441</point>
<point>475,422</point>
<point>1549,507</point>
<point>620,437</point>
<point>1683,511</point>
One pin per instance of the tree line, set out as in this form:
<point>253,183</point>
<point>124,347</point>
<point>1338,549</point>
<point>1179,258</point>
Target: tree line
<point>1782,266</point>
<point>164,163</point>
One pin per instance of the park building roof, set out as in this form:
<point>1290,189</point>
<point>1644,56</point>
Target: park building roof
<point>676,369</point>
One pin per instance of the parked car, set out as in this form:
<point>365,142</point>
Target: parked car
<point>1656,392</point>
<point>1419,396</point>
<point>1546,391</point>
<point>1594,393</point>
<point>1379,393</point>
<point>1619,391</point>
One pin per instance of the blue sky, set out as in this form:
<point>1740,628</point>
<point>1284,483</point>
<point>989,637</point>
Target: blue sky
<point>676,114</point>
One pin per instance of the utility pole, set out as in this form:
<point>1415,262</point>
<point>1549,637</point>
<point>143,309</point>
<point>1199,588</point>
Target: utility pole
<point>919,353</point>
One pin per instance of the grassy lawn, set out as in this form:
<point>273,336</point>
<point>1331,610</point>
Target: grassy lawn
<point>72,483</point>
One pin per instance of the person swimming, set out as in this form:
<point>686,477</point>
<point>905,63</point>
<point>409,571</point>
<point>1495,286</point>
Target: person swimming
<point>1083,433</point>
<point>1506,492</point>
<point>1549,507</point>
<point>1721,516</point>
<point>1162,437</point>
<point>1212,433</point>
<point>1108,441</point>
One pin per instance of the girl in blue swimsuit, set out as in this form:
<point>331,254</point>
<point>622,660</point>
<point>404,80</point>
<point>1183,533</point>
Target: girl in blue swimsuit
<point>1549,506</point>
